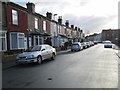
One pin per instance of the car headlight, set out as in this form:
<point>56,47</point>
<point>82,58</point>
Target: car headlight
<point>30,56</point>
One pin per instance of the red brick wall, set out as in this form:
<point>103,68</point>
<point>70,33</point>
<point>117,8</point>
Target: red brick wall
<point>22,20</point>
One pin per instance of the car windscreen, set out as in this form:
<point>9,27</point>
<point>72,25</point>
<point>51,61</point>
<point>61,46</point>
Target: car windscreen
<point>75,45</point>
<point>36,48</point>
<point>107,43</point>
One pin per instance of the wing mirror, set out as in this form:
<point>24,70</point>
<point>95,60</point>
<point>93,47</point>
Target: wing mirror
<point>42,49</point>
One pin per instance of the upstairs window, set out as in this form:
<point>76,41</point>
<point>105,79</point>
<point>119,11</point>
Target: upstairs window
<point>44,26</point>
<point>36,23</point>
<point>14,17</point>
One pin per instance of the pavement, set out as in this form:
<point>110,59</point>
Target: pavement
<point>12,63</point>
<point>117,51</point>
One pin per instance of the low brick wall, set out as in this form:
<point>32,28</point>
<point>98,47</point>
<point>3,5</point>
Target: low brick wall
<point>8,58</point>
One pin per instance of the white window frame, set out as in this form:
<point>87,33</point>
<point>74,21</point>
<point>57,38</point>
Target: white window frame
<point>38,37</point>
<point>14,17</point>
<point>4,32</point>
<point>44,26</point>
<point>36,23</point>
<point>18,46</point>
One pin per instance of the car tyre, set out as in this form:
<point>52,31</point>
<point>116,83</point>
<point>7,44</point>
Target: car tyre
<point>53,57</point>
<point>39,60</point>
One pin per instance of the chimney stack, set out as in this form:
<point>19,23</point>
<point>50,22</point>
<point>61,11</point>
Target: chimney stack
<point>49,15</point>
<point>76,28</point>
<point>31,7</point>
<point>79,30</point>
<point>67,23</point>
<point>72,26</point>
<point>60,20</point>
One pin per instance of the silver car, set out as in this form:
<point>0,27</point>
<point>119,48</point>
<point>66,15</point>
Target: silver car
<point>108,44</point>
<point>37,54</point>
<point>76,46</point>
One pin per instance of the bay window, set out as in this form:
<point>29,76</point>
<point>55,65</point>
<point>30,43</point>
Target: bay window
<point>17,40</point>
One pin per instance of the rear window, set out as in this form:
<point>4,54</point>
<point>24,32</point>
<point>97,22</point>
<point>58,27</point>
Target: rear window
<point>75,46</point>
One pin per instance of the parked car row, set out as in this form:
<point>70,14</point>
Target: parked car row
<point>77,46</point>
<point>38,53</point>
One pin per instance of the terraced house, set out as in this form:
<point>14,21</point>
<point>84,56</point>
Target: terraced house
<point>22,28</point>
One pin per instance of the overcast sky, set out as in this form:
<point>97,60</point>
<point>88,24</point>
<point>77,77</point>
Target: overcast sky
<point>90,15</point>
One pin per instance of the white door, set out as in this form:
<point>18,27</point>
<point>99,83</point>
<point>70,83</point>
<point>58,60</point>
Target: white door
<point>30,42</point>
<point>25,42</point>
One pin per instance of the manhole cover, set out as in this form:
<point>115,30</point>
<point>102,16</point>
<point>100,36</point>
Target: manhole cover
<point>50,79</point>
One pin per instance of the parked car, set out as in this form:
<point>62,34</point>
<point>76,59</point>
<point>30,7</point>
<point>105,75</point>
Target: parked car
<point>91,43</point>
<point>88,44</point>
<point>76,46</point>
<point>84,45</point>
<point>37,54</point>
<point>95,42</point>
<point>108,44</point>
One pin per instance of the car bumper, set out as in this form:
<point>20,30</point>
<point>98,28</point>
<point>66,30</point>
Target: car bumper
<point>22,61</point>
<point>107,46</point>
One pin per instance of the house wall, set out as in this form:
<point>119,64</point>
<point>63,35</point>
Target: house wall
<point>0,15</point>
<point>22,22</point>
<point>48,26</point>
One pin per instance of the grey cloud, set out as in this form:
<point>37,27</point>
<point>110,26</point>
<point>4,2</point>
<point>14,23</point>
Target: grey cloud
<point>90,24</point>
<point>84,2</point>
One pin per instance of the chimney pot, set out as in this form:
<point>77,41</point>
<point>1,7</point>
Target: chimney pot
<point>49,15</point>
<point>67,23</point>
<point>31,7</point>
<point>60,19</point>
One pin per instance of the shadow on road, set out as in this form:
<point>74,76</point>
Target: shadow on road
<point>28,65</point>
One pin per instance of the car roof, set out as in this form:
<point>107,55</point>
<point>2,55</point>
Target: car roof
<point>107,41</point>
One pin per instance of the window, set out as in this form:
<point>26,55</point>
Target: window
<point>3,40</point>
<point>44,26</point>
<point>37,40</point>
<point>15,17</point>
<point>21,40</point>
<point>36,23</point>
<point>17,40</point>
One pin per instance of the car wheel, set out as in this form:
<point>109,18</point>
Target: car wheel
<point>39,60</point>
<point>53,57</point>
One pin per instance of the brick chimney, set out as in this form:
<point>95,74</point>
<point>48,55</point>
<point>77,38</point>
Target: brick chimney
<point>49,15</point>
<point>79,30</point>
<point>72,26</point>
<point>60,20</point>
<point>31,7</point>
<point>67,23</point>
<point>76,28</point>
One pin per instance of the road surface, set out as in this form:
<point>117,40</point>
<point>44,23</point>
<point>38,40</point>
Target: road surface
<point>95,67</point>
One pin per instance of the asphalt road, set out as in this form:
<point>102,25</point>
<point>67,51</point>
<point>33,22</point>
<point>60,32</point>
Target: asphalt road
<point>95,67</point>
